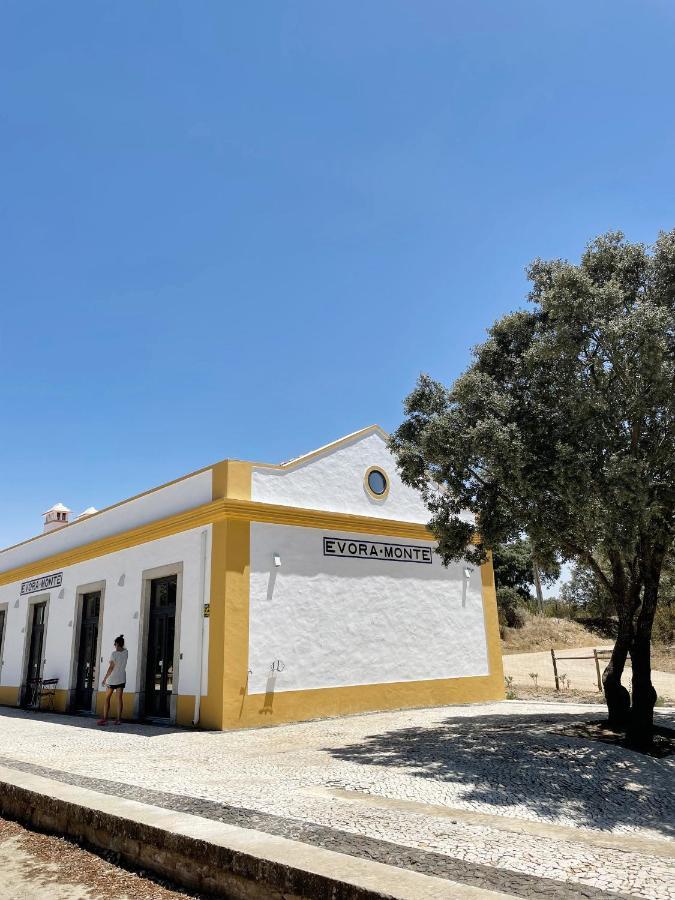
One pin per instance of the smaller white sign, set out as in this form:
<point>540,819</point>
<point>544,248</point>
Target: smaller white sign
<point>43,583</point>
<point>377,550</point>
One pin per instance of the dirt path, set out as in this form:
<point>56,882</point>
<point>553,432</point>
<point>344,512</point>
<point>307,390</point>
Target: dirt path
<point>581,673</point>
<point>35,865</point>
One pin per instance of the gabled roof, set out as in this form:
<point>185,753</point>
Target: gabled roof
<point>291,463</point>
<point>355,435</point>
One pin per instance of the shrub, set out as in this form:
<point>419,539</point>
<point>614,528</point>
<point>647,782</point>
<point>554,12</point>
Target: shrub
<point>511,613</point>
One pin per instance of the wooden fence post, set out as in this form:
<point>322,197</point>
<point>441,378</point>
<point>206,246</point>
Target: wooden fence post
<point>555,670</point>
<point>597,669</point>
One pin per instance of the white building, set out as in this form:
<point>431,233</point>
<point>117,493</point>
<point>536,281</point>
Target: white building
<point>251,593</point>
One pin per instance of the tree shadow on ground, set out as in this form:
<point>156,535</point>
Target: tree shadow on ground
<point>518,760</point>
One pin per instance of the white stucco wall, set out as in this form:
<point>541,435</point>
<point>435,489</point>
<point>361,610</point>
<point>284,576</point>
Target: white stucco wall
<point>166,501</point>
<point>334,481</point>
<point>121,613</point>
<point>337,621</point>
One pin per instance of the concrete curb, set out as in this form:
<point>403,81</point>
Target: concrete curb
<point>213,857</point>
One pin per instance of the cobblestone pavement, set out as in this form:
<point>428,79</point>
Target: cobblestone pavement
<point>486,794</point>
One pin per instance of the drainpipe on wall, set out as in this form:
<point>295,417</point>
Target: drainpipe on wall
<point>200,630</point>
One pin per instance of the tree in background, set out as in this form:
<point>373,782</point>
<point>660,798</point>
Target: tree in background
<point>514,579</point>
<point>563,428</point>
<point>584,592</point>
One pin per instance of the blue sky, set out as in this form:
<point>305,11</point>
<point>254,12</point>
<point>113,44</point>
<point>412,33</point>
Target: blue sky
<point>236,229</point>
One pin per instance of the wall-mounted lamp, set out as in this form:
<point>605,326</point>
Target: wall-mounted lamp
<point>62,593</point>
<point>467,573</point>
<point>277,560</point>
<point>121,580</point>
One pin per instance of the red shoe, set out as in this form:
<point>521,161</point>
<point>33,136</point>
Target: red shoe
<point>102,722</point>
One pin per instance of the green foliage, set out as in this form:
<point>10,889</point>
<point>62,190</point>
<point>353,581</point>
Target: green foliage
<point>514,567</point>
<point>563,428</point>
<point>509,607</point>
<point>584,592</point>
<point>510,690</point>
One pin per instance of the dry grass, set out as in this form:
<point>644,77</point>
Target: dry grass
<point>663,659</point>
<point>50,867</point>
<point>550,695</point>
<point>542,633</point>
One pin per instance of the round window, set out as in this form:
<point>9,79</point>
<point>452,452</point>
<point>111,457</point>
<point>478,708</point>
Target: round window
<point>377,482</point>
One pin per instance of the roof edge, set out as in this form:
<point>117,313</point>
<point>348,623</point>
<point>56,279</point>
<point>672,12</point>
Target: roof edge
<point>298,460</point>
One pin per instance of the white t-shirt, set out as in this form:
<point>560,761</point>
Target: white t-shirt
<point>119,673</point>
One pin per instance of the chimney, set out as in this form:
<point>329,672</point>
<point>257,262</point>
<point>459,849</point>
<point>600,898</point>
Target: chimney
<point>56,517</point>
<point>89,511</point>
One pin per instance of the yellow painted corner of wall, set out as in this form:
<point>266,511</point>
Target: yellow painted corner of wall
<point>185,709</point>
<point>60,700</point>
<point>9,696</point>
<point>256,710</point>
<point>231,479</point>
<point>491,616</point>
<point>237,607</point>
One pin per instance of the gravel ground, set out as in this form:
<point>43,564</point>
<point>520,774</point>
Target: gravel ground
<point>45,867</point>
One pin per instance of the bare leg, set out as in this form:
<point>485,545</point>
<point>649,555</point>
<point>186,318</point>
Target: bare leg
<point>120,700</point>
<point>106,706</point>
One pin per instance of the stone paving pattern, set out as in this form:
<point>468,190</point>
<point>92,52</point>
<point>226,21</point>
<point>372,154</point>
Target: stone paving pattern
<point>503,761</point>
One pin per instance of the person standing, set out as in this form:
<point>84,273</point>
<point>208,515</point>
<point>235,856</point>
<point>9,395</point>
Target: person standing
<point>115,680</point>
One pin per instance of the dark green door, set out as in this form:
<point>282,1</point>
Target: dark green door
<point>34,666</point>
<point>161,633</point>
<point>2,633</point>
<point>86,658</point>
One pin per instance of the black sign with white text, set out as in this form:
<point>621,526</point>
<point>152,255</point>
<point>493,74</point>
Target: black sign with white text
<point>43,583</point>
<point>342,547</point>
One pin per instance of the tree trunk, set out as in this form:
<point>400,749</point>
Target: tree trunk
<point>626,597</point>
<point>641,724</point>
<point>616,695</point>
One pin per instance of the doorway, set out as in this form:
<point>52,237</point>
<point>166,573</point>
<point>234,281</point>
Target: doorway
<point>85,684</point>
<point>3,621</point>
<point>160,663</point>
<point>34,663</point>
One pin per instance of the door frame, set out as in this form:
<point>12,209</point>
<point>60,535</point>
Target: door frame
<point>4,607</point>
<point>80,591</point>
<point>27,629</point>
<point>147,577</point>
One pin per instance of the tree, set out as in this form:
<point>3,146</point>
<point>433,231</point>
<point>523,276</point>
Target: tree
<point>563,428</point>
<point>514,578</point>
<point>586,592</point>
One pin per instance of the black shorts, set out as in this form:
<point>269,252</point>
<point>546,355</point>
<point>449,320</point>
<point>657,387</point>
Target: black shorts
<point>116,687</point>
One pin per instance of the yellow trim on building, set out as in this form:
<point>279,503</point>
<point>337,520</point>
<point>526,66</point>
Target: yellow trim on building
<point>294,706</point>
<point>219,467</point>
<point>220,510</point>
<point>185,709</point>
<point>493,641</point>
<point>9,696</point>
<point>226,703</point>
<point>229,596</point>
